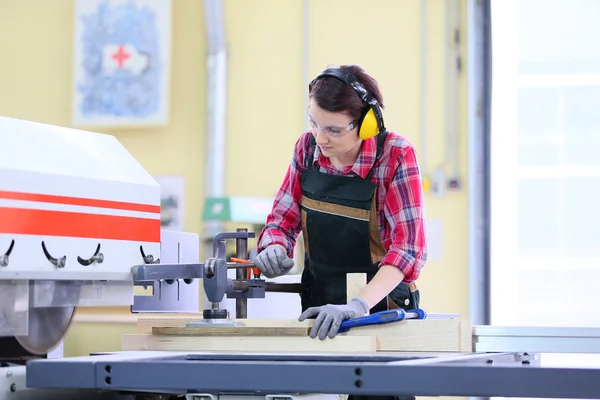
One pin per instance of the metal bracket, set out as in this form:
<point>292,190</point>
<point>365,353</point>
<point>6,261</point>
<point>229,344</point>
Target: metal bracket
<point>57,262</point>
<point>97,257</point>
<point>4,258</point>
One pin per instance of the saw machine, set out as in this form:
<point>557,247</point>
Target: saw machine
<point>76,212</point>
<point>80,227</point>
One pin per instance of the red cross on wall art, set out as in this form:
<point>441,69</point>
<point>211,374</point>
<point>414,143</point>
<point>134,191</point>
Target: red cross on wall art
<point>120,56</point>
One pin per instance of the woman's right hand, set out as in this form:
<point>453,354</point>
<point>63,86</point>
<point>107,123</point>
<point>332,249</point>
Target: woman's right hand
<point>274,261</point>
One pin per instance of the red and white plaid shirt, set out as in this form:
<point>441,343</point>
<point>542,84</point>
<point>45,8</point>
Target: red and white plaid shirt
<point>400,203</point>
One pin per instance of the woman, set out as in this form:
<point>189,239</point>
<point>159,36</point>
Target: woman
<point>354,190</point>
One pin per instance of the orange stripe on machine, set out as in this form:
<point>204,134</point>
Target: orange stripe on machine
<point>79,201</point>
<point>73,224</point>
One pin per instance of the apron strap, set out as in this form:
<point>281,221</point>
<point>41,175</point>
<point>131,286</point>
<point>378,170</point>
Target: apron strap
<point>310,152</point>
<point>380,142</point>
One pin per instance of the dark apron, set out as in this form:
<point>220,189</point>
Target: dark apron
<point>341,236</point>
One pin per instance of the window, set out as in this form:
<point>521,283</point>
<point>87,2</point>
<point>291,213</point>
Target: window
<point>545,166</point>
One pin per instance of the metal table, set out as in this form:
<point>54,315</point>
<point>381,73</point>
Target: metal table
<point>478,375</point>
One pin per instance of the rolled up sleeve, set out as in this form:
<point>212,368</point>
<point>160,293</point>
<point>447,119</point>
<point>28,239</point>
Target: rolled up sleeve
<point>405,213</point>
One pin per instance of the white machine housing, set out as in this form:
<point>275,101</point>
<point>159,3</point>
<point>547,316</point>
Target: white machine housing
<point>70,191</point>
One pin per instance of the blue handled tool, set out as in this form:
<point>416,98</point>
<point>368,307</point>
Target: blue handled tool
<point>382,317</point>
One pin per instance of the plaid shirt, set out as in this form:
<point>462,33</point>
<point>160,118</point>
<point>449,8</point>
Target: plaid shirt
<point>400,203</point>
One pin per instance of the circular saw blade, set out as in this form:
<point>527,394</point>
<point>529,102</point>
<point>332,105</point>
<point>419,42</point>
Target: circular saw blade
<point>50,313</point>
<point>48,326</point>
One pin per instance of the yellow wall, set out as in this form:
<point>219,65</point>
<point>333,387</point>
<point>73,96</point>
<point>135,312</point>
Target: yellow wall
<point>265,103</point>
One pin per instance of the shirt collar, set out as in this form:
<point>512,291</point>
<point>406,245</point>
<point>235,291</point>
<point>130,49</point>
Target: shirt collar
<point>362,165</point>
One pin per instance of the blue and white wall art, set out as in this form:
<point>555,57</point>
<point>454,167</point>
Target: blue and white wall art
<point>122,62</point>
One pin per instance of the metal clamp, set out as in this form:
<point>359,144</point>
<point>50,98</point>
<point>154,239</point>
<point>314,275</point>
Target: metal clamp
<point>241,236</point>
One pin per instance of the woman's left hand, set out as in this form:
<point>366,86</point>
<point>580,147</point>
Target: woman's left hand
<point>330,317</point>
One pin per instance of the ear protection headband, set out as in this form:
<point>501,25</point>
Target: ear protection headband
<point>371,121</point>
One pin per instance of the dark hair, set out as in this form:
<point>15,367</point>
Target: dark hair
<point>331,94</point>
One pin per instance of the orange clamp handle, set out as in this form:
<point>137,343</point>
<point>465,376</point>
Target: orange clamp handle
<point>256,271</point>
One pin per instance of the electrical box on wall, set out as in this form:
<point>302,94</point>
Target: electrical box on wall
<point>437,182</point>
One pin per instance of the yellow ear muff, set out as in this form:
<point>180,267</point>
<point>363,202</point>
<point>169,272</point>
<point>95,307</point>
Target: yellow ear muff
<point>368,126</point>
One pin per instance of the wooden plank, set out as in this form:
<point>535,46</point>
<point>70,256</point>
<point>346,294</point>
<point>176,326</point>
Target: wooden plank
<point>119,315</point>
<point>354,284</point>
<point>466,337</point>
<point>231,331</point>
<point>145,324</point>
<point>416,335</point>
<point>279,344</point>
<point>435,335</point>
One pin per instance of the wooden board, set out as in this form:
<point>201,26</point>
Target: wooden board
<point>435,335</point>
<point>145,324</point>
<point>248,344</point>
<point>231,331</point>
<point>418,335</point>
<point>465,339</point>
<point>354,284</point>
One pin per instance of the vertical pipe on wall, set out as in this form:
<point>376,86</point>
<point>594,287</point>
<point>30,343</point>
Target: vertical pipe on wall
<point>457,67</point>
<point>447,83</point>
<point>452,70</point>
<point>300,248</point>
<point>216,105</point>
<point>424,77</point>
<point>216,89</point>
<point>305,57</point>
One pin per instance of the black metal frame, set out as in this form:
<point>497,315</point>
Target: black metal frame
<point>493,374</point>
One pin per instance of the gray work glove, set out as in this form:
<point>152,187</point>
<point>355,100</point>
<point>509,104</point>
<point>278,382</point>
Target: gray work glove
<point>331,316</point>
<point>273,261</point>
